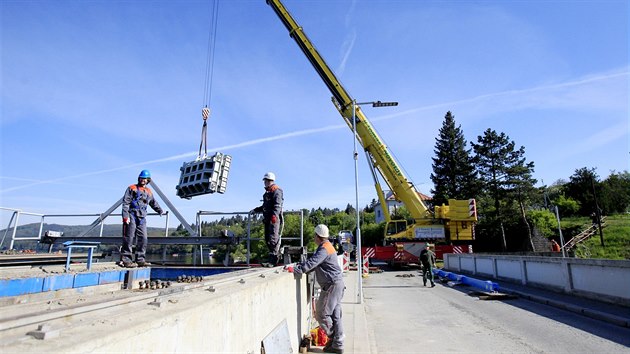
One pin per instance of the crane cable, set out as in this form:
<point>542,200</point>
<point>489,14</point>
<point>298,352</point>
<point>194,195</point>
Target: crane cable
<point>207,94</point>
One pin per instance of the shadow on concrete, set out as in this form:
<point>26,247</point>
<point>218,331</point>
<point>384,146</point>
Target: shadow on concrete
<point>607,329</point>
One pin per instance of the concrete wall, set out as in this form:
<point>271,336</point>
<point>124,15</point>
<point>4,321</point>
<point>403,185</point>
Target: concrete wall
<point>605,280</point>
<point>230,314</point>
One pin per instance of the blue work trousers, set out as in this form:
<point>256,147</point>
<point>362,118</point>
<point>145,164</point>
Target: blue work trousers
<point>134,233</point>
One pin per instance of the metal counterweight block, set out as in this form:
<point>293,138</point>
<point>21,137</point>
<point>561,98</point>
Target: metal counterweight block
<point>203,176</point>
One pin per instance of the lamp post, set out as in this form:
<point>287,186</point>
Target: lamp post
<point>359,260</point>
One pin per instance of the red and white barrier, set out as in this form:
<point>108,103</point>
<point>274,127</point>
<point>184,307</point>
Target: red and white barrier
<point>366,266</point>
<point>346,262</point>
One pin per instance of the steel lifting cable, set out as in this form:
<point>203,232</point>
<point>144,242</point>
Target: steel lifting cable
<point>207,94</point>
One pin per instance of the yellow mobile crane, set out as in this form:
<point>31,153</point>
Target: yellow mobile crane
<point>447,223</point>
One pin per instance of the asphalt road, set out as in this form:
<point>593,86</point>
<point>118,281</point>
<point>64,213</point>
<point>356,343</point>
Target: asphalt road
<point>403,316</point>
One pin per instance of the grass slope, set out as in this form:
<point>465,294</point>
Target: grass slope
<point>616,237</point>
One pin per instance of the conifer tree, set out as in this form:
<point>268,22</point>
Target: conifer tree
<point>454,175</point>
<point>504,174</point>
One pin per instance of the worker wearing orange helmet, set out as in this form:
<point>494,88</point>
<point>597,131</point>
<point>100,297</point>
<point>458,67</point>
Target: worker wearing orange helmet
<point>271,210</point>
<point>134,211</point>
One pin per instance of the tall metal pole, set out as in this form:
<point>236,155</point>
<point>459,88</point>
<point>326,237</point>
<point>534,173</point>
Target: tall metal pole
<point>356,188</point>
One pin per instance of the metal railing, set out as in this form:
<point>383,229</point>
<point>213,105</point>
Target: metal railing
<point>249,220</point>
<point>584,235</point>
<point>13,224</point>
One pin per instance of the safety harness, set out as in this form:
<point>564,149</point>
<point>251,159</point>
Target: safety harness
<point>135,203</point>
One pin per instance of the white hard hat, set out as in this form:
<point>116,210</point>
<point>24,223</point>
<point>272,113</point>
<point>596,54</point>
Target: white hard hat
<point>270,176</point>
<point>321,230</point>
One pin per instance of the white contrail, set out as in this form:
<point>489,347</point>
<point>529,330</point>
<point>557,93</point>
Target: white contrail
<point>349,44</point>
<point>332,127</point>
<point>507,93</point>
<point>181,156</point>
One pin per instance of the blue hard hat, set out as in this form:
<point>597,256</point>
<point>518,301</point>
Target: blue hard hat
<point>145,174</point>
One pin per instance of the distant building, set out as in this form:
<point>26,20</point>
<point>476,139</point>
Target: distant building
<point>392,204</point>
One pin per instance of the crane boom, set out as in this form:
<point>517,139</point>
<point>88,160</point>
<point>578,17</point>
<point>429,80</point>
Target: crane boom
<point>382,158</point>
<point>453,222</point>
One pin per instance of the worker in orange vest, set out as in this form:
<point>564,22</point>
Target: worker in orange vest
<point>134,211</point>
<point>555,247</point>
<point>271,210</point>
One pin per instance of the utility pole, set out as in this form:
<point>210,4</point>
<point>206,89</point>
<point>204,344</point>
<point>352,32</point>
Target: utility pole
<point>598,213</point>
<point>564,254</point>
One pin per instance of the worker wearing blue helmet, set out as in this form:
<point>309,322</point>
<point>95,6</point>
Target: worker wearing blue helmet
<point>134,211</point>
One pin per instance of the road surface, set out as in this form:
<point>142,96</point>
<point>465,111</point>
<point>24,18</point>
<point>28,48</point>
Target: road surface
<point>403,316</point>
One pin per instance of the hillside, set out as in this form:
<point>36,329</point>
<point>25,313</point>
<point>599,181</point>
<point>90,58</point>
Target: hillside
<point>616,238</point>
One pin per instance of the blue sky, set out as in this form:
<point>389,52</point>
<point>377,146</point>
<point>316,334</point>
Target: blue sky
<point>95,91</point>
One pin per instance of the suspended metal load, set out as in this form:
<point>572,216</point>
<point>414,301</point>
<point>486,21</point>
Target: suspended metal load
<point>204,175</point>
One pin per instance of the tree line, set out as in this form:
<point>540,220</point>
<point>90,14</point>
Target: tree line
<point>493,170</point>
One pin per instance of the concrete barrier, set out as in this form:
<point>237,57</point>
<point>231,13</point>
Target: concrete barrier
<point>228,313</point>
<point>599,279</point>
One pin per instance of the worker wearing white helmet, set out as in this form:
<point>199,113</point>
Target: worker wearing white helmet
<point>330,279</point>
<point>272,217</point>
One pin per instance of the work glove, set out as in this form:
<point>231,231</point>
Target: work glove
<point>274,219</point>
<point>125,220</point>
<point>289,267</point>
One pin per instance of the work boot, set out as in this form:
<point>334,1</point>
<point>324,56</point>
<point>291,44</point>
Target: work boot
<point>143,264</point>
<point>328,344</point>
<point>433,285</point>
<point>128,264</point>
<point>332,349</point>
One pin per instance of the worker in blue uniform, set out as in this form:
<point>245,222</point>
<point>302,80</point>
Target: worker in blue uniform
<point>330,279</point>
<point>271,210</point>
<point>134,211</point>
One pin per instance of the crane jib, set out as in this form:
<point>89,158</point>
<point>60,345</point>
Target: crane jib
<point>378,152</point>
<point>317,61</point>
<point>380,155</point>
<point>368,137</point>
